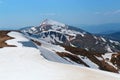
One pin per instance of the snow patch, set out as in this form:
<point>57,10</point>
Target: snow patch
<point>17,37</point>
<point>99,58</point>
<point>103,39</point>
<point>89,62</point>
<point>95,37</point>
<point>108,48</point>
<point>116,42</point>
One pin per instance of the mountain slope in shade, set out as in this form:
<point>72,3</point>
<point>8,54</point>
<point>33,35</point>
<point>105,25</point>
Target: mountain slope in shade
<point>74,46</point>
<point>113,36</point>
<point>25,62</point>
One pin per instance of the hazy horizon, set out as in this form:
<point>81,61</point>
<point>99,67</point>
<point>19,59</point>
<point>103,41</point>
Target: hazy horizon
<point>101,28</point>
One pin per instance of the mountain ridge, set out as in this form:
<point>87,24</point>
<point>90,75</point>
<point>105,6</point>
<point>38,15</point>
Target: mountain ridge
<point>74,46</point>
<point>72,35</point>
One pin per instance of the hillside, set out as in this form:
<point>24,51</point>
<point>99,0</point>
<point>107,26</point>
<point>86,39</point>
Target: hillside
<point>65,44</point>
<point>27,63</point>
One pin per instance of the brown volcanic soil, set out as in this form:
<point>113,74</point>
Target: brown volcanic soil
<point>115,59</point>
<point>36,42</point>
<point>72,57</point>
<point>4,37</point>
<point>103,65</point>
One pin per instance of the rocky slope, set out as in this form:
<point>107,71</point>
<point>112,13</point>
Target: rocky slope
<point>113,35</point>
<point>55,33</point>
<point>62,43</point>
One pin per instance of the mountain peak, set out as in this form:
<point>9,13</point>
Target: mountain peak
<point>52,22</point>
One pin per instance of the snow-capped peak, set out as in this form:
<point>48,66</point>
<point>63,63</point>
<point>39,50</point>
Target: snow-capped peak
<point>49,24</point>
<point>52,22</point>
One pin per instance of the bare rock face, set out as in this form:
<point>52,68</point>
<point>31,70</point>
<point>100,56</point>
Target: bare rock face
<point>115,59</point>
<point>94,57</point>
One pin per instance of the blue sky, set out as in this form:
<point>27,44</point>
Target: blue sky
<point>20,13</point>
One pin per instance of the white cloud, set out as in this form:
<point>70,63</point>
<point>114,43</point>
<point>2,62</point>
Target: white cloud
<point>48,14</point>
<point>115,12</point>
<point>97,12</point>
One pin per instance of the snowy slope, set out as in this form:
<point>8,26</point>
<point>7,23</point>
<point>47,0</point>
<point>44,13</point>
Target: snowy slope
<point>26,63</point>
<point>67,44</point>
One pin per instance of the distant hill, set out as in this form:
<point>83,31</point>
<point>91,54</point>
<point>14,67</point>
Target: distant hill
<point>102,28</point>
<point>113,36</point>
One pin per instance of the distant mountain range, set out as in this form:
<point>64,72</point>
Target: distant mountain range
<point>112,35</point>
<point>102,28</point>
